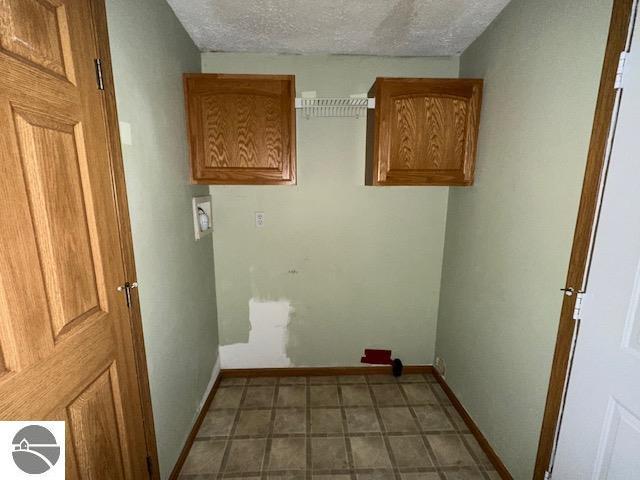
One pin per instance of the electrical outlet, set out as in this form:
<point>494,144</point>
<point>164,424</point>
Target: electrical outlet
<point>441,366</point>
<point>259,219</point>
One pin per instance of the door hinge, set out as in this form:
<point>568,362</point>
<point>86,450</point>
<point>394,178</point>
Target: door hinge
<point>99,77</point>
<point>149,466</point>
<point>126,288</point>
<point>618,84</point>
<point>547,475</point>
<point>578,305</point>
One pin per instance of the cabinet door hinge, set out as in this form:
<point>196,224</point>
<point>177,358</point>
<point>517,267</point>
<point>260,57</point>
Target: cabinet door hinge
<point>618,84</point>
<point>99,77</point>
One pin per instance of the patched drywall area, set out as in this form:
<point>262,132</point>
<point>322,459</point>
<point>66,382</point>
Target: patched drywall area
<point>359,266</point>
<point>366,27</point>
<point>268,337</point>
<point>509,237</point>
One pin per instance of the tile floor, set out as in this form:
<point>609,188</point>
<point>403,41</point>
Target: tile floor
<point>345,428</point>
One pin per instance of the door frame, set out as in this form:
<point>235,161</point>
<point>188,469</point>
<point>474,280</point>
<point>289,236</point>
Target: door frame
<point>585,223</point>
<point>99,18</point>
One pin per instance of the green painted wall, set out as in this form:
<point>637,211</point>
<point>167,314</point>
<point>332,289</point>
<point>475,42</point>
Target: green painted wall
<point>150,52</point>
<point>356,266</point>
<point>508,238</point>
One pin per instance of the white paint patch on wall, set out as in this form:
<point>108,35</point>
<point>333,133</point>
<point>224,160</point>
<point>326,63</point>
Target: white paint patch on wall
<point>268,337</point>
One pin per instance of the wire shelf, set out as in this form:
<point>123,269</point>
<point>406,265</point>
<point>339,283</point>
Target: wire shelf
<point>334,107</point>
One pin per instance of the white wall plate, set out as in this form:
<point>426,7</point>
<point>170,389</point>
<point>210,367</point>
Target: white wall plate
<point>202,216</point>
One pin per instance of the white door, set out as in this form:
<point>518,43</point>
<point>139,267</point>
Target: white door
<point>600,430</point>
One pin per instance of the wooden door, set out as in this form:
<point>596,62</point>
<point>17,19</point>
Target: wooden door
<point>423,131</point>
<point>241,128</point>
<point>66,350</point>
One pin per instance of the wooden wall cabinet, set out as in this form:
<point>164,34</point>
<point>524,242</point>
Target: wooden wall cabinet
<point>423,131</point>
<point>241,128</point>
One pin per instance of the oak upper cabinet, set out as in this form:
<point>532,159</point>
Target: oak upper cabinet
<point>241,128</point>
<point>423,131</point>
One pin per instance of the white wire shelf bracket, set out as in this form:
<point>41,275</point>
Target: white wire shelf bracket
<point>334,107</point>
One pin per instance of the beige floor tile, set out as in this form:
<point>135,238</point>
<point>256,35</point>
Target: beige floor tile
<point>362,420</point>
<point>293,380</point>
<point>326,420</point>
<point>387,378</point>
<point>493,475</point>
<point>419,394</point>
<point>439,392</point>
<point>292,396</point>
<point>420,476</point>
<point>331,477</point>
<point>228,397</point>
<point>369,452</point>
<point>204,458</point>
<point>350,379</point>
<point>481,457</point>
<point>288,454</point>
<point>233,381</point>
<point>376,475</point>
<point>398,419</point>
<point>432,418</point>
<point>263,381</point>
<point>258,397</point>
<point>412,378</point>
<point>253,422</point>
<point>289,421</point>
<point>449,450</point>
<point>471,473</point>
<point>356,395</point>
<point>409,451</point>
<point>286,476</point>
<point>323,380</point>
<point>324,395</point>
<point>328,453</point>
<point>388,394</point>
<point>217,423</point>
<point>457,419</point>
<point>245,456</point>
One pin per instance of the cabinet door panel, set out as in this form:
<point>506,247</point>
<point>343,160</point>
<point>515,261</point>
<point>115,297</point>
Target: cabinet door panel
<point>241,128</point>
<point>423,131</point>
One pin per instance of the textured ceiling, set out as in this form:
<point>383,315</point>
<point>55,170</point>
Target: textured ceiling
<point>369,27</point>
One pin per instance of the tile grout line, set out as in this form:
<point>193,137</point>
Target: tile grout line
<point>427,445</point>
<point>383,428</point>
<point>236,420</point>
<point>476,459</point>
<point>424,435</point>
<point>307,431</point>
<point>264,467</point>
<point>345,429</point>
<point>444,403</point>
